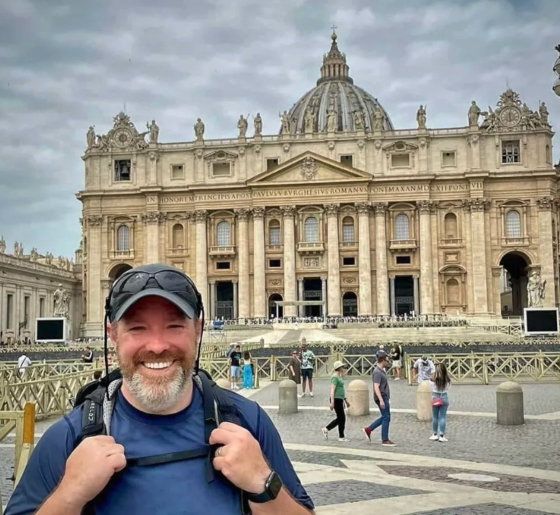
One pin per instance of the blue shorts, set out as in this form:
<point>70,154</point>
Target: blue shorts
<point>234,371</point>
<point>307,373</point>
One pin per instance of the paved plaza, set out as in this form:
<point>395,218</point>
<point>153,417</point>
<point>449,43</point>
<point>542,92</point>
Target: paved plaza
<point>483,469</point>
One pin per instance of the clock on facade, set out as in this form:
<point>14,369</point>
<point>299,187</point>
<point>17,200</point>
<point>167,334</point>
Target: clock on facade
<point>510,116</point>
<point>122,138</point>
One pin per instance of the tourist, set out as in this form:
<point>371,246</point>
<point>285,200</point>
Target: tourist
<point>156,415</point>
<point>440,383</point>
<point>307,365</point>
<point>247,371</point>
<point>381,396</point>
<point>396,355</point>
<point>338,402</point>
<point>381,352</point>
<point>234,362</point>
<point>23,363</point>
<point>423,369</point>
<point>88,356</point>
<point>294,368</point>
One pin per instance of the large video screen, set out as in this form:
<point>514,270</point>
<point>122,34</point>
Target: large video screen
<point>541,321</point>
<point>51,330</point>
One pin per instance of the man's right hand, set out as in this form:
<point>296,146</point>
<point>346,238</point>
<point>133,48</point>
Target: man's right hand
<point>89,468</point>
<point>381,404</point>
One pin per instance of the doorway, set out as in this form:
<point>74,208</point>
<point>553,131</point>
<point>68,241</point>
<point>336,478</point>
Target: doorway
<point>272,306</point>
<point>312,291</point>
<point>404,295</point>
<point>514,294</point>
<point>349,304</point>
<point>224,300</point>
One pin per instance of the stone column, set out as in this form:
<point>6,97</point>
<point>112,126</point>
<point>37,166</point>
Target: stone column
<point>381,259</point>
<point>235,300</point>
<point>435,259</point>
<point>259,276</point>
<point>426,276</point>
<point>546,250</point>
<point>290,292</point>
<point>201,268</point>
<point>152,221</point>
<point>212,300</point>
<point>243,246</point>
<point>497,297</point>
<point>300,296</point>
<point>94,324</point>
<point>478,246</point>
<point>393,300</point>
<point>417,305</point>
<point>333,285</point>
<point>364,259</point>
<point>324,295</point>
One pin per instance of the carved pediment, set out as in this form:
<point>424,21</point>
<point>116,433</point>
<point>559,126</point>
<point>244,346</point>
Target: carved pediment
<point>220,156</point>
<point>400,147</point>
<point>309,168</point>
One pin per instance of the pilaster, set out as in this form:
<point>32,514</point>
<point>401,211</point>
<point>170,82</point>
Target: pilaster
<point>94,324</point>
<point>290,285</point>
<point>426,278</point>
<point>243,246</point>
<point>381,259</point>
<point>259,275</point>
<point>152,221</point>
<point>333,284</point>
<point>364,259</point>
<point>201,266</point>
<point>545,206</point>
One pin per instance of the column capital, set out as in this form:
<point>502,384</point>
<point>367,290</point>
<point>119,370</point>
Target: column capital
<point>476,204</point>
<point>258,213</point>
<point>424,206</point>
<point>323,279</point>
<point>363,208</point>
<point>546,203</point>
<point>154,217</point>
<point>235,281</point>
<point>212,282</point>
<point>497,271</point>
<point>242,213</point>
<point>200,216</point>
<point>94,220</point>
<point>288,211</point>
<point>380,208</point>
<point>332,209</point>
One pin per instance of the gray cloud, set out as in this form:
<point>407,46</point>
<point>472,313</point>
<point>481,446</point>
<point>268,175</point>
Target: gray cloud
<point>65,65</point>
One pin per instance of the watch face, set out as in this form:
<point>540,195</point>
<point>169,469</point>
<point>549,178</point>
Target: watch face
<point>510,116</point>
<point>274,485</point>
<point>122,138</point>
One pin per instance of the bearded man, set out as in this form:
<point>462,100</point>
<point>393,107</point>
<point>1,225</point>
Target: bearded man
<point>155,321</point>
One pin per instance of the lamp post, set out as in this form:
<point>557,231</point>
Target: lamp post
<point>556,68</point>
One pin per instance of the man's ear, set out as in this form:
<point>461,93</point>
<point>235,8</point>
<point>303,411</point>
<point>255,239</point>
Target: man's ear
<point>198,327</point>
<point>112,333</point>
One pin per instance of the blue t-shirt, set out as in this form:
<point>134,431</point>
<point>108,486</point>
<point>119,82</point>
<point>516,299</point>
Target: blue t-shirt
<point>171,488</point>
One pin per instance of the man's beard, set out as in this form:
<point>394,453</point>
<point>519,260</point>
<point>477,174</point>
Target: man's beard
<point>157,393</point>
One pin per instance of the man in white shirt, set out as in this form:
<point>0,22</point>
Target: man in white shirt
<point>23,363</point>
<point>423,369</point>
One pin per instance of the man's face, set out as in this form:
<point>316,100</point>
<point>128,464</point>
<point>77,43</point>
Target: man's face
<point>156,350</point>
<point>385,363</point>
<point>303,348</point>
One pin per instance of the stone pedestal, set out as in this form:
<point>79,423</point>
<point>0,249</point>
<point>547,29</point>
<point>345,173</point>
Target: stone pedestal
<point>358,397</point>
<point>509,404</point>
<point>424,402</point>
<point>223,383</point>
<point>287,397</point>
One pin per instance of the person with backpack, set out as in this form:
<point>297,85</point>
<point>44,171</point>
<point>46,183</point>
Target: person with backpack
<point>158,435</point>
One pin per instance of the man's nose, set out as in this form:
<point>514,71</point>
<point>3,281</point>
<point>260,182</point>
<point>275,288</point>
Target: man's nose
<point>157,342</point>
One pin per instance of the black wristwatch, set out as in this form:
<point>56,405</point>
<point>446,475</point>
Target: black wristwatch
<point>272,488</point>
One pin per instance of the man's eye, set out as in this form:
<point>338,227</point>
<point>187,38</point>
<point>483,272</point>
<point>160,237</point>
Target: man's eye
<point>178,326</point>
<point>137,328</point>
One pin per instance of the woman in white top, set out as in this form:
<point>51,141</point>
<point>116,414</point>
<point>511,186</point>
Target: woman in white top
<point>440,383</point>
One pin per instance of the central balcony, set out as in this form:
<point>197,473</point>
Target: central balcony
<point>222,251</point>
<point>403,245</point>
<point>307,248</point>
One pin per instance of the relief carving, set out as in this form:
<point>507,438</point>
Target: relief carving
<point>311,262</point>
<point>154,217</point>
<point>258,213</point>
<point>309,168</point>
<point>380,208</point>
<point>200,216</point>
<point>545,203</point>
<point>363,208</point>
<point>332,209</point>
<point>288,211</point>
<point>242,214</point>
<point>94,220</point>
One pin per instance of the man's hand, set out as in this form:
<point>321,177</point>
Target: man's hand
<point>381,404</point>
<point>89,468</point>
<point>332,406</point>
<point>240,458</point>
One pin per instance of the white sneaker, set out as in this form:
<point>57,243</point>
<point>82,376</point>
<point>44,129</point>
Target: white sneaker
<point>301,396</point>
<point>344,439</point>
<point>325,432</point>
<point>443,439</point>
<point>311,394</point>
<point>434,437</point>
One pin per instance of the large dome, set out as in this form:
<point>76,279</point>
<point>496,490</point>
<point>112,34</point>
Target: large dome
<point>353,107</point>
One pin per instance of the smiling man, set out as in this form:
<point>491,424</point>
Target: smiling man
<point>158,411</point>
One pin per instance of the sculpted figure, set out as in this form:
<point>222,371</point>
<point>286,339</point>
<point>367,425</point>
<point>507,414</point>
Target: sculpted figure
<point>154,131</point>
<point>378,119</point>
<point>489,122</point>
<point>331,120</point>
<point>543,112</point>
<point>199,129</point>
<point>285,117</point>
<point>48,258</point>
<point>102,142</point>
<point>16,248</point>
<point>535,290</point>
<point>421,117</point>
<point>2,245</point>
<point>34,254</point>
<point>90,137</point>
<point>309,121</point>
<point>359,123</point>
<point>61,302</point>
<point>258,125</point>
<point>242,126</point>
<point>474,113</point>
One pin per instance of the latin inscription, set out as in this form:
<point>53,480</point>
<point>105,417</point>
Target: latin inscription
<point>420,187</point>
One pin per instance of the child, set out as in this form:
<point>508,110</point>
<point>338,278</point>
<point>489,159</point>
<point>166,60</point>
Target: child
<point>338,401</point>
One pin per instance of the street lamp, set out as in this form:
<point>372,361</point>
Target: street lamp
<point>556,69</point>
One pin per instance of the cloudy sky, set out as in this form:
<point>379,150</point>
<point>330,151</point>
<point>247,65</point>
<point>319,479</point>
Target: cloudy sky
<point>66,64</point>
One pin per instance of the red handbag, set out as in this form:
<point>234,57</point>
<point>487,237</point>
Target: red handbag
<point>437,402</point>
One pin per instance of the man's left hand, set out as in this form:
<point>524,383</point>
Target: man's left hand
<point>239,458</point>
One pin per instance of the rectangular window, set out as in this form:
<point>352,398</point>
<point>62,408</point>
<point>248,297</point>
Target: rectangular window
<point>223,265</point>
<point>10,311</point>
<point>348,261</point>
<point>271,164</point>
<point>122,170</point>
<point>26,317</point>
<point>274,235</point>
<point>403,260</point>
<point>346,160</point>
<point>448,159</point>
<point>274,263</point>
<point>348,233</point>
<point>177,172</point>
<point>221,170</point>
<point>400,160</point>
<point>510,152</point>
<point>41,307</point>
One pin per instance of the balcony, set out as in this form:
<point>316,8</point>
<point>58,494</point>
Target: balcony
<point>451,242</point>
<point>403,245</point>
<point>222,251</point>
<point>274,248</point>
<point>348,245</point>
<point>122,254</point>
<point>516,242</point>
<point>308,248</point>
<point>179,251</point>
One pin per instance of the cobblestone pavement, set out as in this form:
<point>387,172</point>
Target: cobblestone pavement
<point>484,469</point>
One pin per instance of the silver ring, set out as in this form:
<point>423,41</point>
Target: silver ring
<point>219,451</point>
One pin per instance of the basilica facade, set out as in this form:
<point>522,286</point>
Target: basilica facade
<point>338,207</point>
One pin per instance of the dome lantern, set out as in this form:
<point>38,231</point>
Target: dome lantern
<point>334,64</point>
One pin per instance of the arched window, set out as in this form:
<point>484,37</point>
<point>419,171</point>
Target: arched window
<point>401,227</point>
<point>274,232</point>
<point>513,224</point>
<point>123,238</point>
<point>178,237</point>
<point>311,230</point>
<point>450,223</point>
<point>223,234</point>
<point>348,229</point>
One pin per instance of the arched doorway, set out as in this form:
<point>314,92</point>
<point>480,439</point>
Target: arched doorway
<point>349,304</point>
<point>118,270</point>
<point>272,306</point>
<point>514,291</point>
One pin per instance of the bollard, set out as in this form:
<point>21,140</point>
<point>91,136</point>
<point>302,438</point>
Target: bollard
<point>358,397</point>
<point>509,404</point>
<point>424,402</point>
<point>28,444</point>
<point>223,383</point>
<point>287,397</point>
